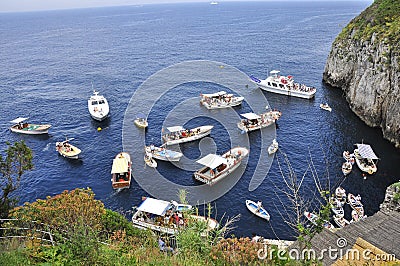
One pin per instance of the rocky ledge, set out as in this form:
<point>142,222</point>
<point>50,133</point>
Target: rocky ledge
<point>392,198</point>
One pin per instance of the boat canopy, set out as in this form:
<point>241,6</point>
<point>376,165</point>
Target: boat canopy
<point>274,72</point>
<point>366,151</point>
<point>220,93</point>
<point>212,161</point>
<point>175,128</point>
<point>154,206</point>
<point>250,116</point>
<point>120,165</point>
<point>19,120</point>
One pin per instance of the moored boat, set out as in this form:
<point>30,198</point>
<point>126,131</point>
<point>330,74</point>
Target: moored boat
<point>325,106</point>
<point>273,147</point>
<point>254,121</point>
<point>220,100</point>
<point>166,217</point>
<point>313,218</point>
<point>340,194</point>
<point>346,168</point>
<point>141,121</point>
<point>337,207</point>
<point>121,171</point>
<point>217,167</point>
<point>357,216</point>
<point>178,134</point>
<point>365,157</point>
<point>349,157</point>
<point>340,221</point>
<point>67,150</point>
<point>284,85</point>
<point>98,106</point>
<point>26,128</point>
<point>148,159</point>
<point>257,209</point>
<point>161,153</point>
<point>355,203</point>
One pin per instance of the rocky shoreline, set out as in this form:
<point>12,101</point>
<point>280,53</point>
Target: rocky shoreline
<point>392,198</point>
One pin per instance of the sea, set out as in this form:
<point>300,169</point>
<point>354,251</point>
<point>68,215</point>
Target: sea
<point>157,59</point>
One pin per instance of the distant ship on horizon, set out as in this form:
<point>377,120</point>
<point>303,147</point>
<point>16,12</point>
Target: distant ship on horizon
<point>214,3</point>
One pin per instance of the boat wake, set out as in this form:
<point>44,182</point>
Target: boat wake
<point>47,146</point>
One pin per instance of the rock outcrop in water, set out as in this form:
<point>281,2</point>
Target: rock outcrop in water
<point>364,62</point>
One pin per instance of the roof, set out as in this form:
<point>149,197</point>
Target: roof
<point>250,116</point>
<point>120,165</point>
<point>175,128</point>
<point>215,94</point>
<point>19,120</point>
<point>366,151</point>
<point>154,206</point>
<point>212,160</point>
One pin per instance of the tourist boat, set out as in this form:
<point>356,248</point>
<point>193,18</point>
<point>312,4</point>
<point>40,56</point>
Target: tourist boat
<point>313,218</point>
<point>141,121</point>
<point>121,171</point>
<point>67,150</point>
<point>340,221</point>
<point>284,85</point>
<point>365,157</point>
<point>148,159</point>
<point>349,157</point>
<point>355,203</point>
<point>164,217</point>
<point>337,207</point>
<point>214,3</point>
<point>346,168</point>
<point>98,106</point>
<point>253,121</point>
<point>273,147</point>
<point>161,153</point>
<point>217,167</point>
<point>340,195</point>
<point>325,106</point>
<point>257,209</point>
<point>178,134</point>
<point>26,128</point>
<point>220,100</point>
<point>357,216</point>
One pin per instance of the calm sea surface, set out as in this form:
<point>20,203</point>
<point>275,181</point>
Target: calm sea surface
<point>48,61</point>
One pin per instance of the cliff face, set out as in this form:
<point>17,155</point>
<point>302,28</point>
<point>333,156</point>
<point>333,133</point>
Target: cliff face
<point>364,62</point>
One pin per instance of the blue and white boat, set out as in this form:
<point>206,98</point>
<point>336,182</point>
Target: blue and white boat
<point>161,153</point>
<point>257,209</point>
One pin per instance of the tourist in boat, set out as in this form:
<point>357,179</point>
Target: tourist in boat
<point>259,204</point>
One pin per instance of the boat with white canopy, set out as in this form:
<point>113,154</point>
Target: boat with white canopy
<point>68,150</point>
<point>21,126</point>
<point>365,157</point>
<point>277,83</point>
<point>217,167</point>
<point>254,121</point>
<point>121,171</point>
<point>178,134</point>
<point>98,106</point>
<point>219,100</point>
<point>167,217</point>
<point>161,153</point>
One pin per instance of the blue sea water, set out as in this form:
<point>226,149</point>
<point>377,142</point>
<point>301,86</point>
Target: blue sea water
<point>48,61</point>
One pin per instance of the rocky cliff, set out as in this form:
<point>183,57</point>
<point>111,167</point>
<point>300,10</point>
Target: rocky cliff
<point>364,62</point>
<point>392,198</point>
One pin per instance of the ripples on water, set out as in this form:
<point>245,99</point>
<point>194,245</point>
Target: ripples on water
<point>49,59</point>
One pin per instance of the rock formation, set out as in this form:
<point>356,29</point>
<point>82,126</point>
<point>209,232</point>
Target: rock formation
<point>364,62</point>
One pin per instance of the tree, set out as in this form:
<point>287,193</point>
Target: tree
<point>18,160</point>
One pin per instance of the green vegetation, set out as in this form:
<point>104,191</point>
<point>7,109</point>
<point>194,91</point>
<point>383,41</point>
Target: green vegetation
<point>396,196</point>
<point>381,18</point>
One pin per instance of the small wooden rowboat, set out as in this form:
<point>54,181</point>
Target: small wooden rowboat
<point>257,209</point>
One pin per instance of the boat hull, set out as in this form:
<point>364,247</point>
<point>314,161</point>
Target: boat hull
<point>140,123</point>
<point>164,154</point>
<point>286,92</point>
<point>262,212</point>
<point>204,131</point>
<point>98,107</point>
<point>237,101</point>
<point>31,129</point>
<point>70,151</point>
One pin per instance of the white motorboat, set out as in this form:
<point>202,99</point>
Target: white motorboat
<point>167,217</point>
<point>325,106</point>
<point>217,167</point>
<point>220,100</point>
<point>313,218</point>
<point>253,121</point>
<point>67,150</point>
<point>340,194</point>
<point>284,85</point>
<point>340,221</point>
<point>178,134</point>
<point>141,121</point>
<point>365,157</point>
<point>161,153</point>
<point>121,171</point>
<point>347,167</point>
<point>98,106</point>
<point>273,147</point>
<point>257,209</point>
<point>148,159</point>
<point>26,128</point>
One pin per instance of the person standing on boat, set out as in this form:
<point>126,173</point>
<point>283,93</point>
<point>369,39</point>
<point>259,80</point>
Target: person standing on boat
<point>259,203</point>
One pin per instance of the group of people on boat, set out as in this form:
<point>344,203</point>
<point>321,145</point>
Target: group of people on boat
<point>66,147</point>
<point>182,134</point>
<point>172,219</point>
<point>225,98</point>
